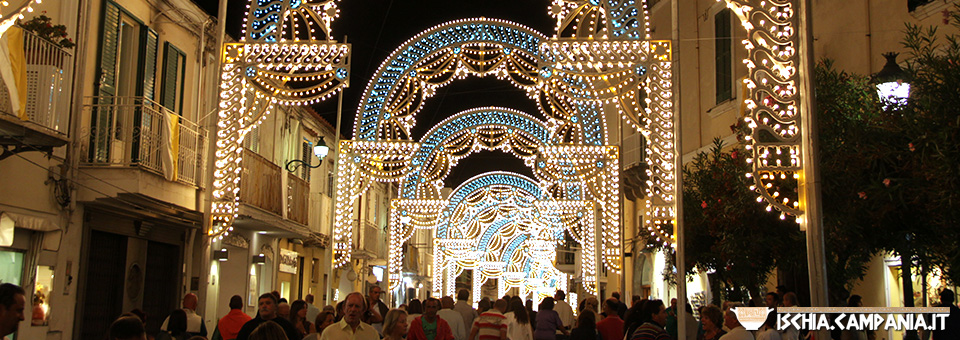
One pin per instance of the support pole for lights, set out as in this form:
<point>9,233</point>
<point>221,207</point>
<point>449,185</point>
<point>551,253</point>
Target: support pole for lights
<point>680,250</point>
<point>810,180</point>
<point>333,216</point>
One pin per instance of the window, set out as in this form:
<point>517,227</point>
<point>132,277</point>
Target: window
<point>724,55</point>
<point>174,65</point>
<point>306,155</point>
<point>331,185</point>
<point>128,55</point>
<point>252,140</point>
<point>127,68</point>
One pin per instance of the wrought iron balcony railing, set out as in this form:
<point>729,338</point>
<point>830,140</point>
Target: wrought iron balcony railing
<point>136,131</point>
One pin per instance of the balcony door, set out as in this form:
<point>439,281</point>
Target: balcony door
<point>127,74</point>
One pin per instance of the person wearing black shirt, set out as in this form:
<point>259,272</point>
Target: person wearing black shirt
<point>268,312</point>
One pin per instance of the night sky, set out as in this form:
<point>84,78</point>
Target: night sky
<point>376,27</point>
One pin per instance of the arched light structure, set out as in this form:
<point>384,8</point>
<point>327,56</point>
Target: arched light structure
<point>600,62</point>
<point>286,57</point>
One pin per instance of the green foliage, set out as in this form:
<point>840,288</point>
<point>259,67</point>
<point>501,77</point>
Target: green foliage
<point>929,174</point>
<point>852,148</point>
<point>732,235</point>
<point>43,27</point>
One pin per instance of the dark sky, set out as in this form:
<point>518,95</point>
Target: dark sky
<point>375,28</point>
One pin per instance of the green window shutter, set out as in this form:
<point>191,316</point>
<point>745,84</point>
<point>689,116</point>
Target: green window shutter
<point>724,55</point>
<point>171,92</point>
<point>148,63</point>
<point>305,152</point>
<point>107,82</point>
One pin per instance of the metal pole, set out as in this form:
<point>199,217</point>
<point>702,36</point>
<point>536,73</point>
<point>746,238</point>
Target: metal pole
<point>333,214</point>
<point>678,173</point>
<point>810,179</point>
<point>622,198</point>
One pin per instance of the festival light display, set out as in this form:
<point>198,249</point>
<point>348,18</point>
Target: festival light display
<point>286,57</point>
<point>773,100</point>
<point>600,63</point>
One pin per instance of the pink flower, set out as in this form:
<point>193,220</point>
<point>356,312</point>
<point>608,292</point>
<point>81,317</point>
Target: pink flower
<point>862,194</point>
<point>703,204</point>
<point>886,182</point>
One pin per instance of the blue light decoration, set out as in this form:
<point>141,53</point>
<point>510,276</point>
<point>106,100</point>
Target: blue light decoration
<point>516,44</point>
<point>467,122</point>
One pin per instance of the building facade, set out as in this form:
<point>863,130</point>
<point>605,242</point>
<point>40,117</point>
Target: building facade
<point>106,177</point>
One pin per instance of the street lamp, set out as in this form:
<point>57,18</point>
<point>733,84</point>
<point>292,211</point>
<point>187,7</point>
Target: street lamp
<point>891,88</point>
<point>320,150</point>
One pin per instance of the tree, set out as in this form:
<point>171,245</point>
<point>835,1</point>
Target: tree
<point>736,241</point>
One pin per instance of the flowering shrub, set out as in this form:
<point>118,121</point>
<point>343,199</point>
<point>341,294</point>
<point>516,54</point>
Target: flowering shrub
<point>43,27</point>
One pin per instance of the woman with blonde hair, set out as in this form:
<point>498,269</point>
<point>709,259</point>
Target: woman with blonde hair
<point>395,325</point>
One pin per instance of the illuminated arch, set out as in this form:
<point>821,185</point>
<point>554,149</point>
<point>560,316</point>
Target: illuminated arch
<point>286,57</point>
<point>464,133</point>
<point>498,223</point>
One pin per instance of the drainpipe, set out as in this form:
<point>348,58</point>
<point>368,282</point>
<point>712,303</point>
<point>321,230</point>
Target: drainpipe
<point>200,57</point>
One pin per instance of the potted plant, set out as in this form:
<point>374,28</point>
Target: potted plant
<point>43,27</point>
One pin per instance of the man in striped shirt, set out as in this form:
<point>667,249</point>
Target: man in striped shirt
<point>654,315</point>
<point>491,325</point>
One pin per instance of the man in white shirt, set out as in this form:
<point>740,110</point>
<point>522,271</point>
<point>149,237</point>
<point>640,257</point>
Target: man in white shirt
<point>350,327</point>
<point>453,318</point>
<point>465,309</point>
<point>564,310</point>
<point>737,332</point>
<point>312,311</point>
<point>195,324</point>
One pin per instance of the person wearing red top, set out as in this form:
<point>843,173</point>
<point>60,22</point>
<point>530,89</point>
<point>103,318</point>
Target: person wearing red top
<point>231,323</point>
<point>611,327</point>
<point>429,326</point>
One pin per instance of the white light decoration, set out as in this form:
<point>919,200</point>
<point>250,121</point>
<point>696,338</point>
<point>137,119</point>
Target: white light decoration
<point>9,16</point>
<point>772,99</point>
<point>610,64</point>
<point>600,59</point>
<point>296,64</point>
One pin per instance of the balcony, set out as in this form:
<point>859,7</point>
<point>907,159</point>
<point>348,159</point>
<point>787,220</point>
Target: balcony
<point>44,122</point>
<point>367,240</point>
<point>298,199</point>
<point>261,185</point>
<point>136,132</point>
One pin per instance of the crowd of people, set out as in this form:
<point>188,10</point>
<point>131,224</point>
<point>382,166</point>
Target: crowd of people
<point>360,317</point>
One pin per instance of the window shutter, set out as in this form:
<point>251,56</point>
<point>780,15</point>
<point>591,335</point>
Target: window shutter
<point>172,59</point>
<point>305,154</point>
<point>724,55</point>
<point>107,82</point>
<point>148,63</point>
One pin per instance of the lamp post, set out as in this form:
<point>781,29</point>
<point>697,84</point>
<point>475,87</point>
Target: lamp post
<point>891,88</point>
<point>320,151</point>
<point>894,92</point>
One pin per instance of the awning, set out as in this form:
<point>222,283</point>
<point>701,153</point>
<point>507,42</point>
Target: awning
<point>9,221</point>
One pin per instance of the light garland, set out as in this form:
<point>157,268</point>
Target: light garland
<point>258,76</point>
<point>772,100</point>
<point>7,20</point>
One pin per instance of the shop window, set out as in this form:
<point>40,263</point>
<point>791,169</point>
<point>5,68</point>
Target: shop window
<point>41,302</point>
<point>11,266</point>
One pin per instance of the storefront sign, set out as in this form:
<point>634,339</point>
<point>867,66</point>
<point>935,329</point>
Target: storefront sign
<point>289,261</point>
